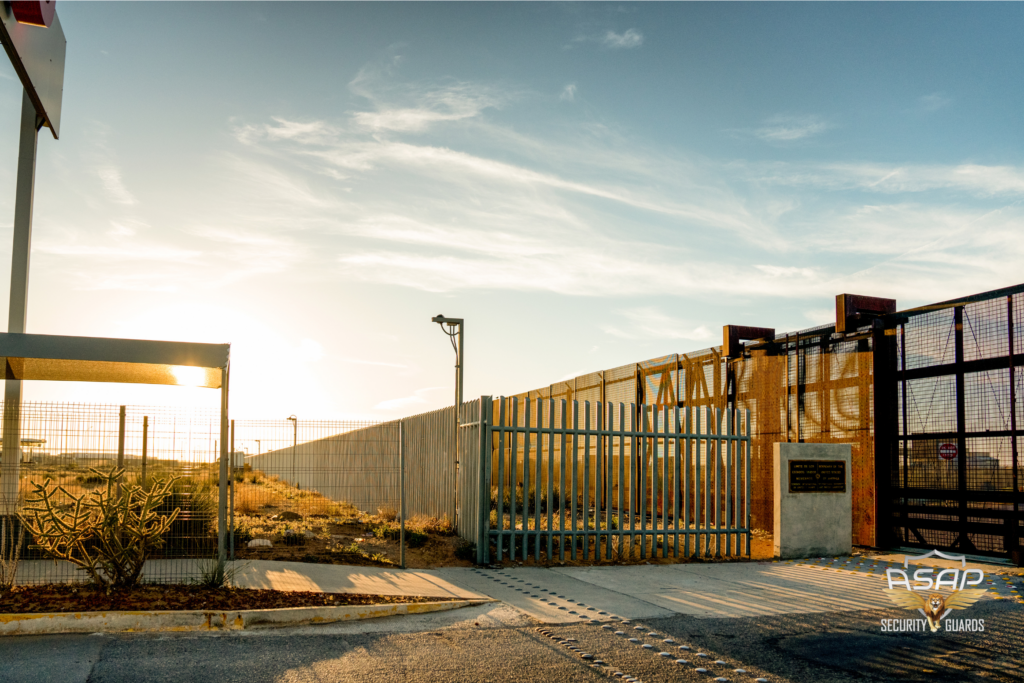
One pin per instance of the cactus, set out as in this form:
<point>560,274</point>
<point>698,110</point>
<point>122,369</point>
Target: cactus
<point>12,534</point>
<point>109,532</point>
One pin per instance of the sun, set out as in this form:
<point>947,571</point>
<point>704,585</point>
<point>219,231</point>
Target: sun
<point>189,376</point>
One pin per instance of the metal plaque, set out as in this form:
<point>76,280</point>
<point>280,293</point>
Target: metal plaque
<point>817,476</point>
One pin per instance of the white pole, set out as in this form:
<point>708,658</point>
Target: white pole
<point>17,315</point>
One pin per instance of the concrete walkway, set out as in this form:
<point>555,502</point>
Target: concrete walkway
<point>565,594</point>
<point>560,595</point>
<point>333,578</point>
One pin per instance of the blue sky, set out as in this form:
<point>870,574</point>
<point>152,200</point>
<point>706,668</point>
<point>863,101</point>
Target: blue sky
<point>587,184</point>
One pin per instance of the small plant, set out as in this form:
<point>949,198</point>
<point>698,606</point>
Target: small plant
<point>215,573</point>
<point>90,479</point>
<point>387,513</point>
<point>109,533</point>
<point>466,550</point>
<point>292,537</point>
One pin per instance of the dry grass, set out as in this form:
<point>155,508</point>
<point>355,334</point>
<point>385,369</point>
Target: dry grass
<point>387,514</point>
<point>431,525</point>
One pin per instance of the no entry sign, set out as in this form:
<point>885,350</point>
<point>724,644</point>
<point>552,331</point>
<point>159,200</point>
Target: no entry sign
<point>947,451</point>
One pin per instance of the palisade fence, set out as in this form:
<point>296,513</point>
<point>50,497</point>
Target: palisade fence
<point>614,482</point>
<point>813,386</point>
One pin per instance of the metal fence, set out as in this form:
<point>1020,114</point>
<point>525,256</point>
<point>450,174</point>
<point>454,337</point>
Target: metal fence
<point>614,482</point>
<point>812,386</point>
<point>64,443</point>
<point>954,470</point>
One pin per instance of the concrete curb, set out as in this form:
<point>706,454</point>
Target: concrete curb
<point>238,620</point>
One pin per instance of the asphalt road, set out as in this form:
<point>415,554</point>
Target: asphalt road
<point>497,643</point>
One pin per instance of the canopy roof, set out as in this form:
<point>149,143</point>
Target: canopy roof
<point>98,359</point>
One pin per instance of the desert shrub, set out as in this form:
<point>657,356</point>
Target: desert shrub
<point>109,533</point>
<point>293,537</point>
<point>243,534</point>
<point>415,539</point>
<point>387,513</point>
<point>92,479</point>
<point>442,526</point>
<point>466,550</point>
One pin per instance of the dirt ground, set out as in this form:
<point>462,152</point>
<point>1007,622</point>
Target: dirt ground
<point>71,598</point>
<point>438,551</point>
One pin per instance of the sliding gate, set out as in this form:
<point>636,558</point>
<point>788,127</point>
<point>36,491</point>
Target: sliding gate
<point>613,482</point>
<point>954,472</point>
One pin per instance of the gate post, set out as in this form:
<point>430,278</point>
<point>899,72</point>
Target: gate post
<point>883,348</point>
<point>483,545</point>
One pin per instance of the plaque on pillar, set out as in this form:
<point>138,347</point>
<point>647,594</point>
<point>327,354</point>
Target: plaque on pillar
<point>813,500</point>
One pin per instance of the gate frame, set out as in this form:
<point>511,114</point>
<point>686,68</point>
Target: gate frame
<point>890,387</point>
<point>731,436</point>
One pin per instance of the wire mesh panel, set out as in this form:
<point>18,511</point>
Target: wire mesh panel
<point>629,482</point>
<point>957,482</point>
<point>70,448</point>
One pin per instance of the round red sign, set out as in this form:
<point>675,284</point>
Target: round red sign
<point>947,451</point>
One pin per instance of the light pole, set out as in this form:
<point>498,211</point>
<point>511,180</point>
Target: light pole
<point>455,327</point>
<point>295,444</point>
<point>259,448</point>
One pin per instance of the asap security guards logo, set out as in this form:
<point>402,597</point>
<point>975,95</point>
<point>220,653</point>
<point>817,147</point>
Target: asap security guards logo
<point>921,594</point>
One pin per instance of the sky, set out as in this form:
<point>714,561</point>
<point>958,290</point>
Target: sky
<point>588,185</point>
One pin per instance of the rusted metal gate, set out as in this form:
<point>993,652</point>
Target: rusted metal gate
<point>953,477</point>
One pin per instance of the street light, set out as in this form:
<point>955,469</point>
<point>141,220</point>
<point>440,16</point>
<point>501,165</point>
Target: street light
<point>295,443</point>
<point>455,329</point>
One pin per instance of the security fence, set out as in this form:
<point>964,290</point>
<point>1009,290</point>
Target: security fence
<point>812,386</point>
<point>596,482</point>
<point>72,446</point>
<point>75,445</point>
<point>953,471</point>
<point>668,456</point>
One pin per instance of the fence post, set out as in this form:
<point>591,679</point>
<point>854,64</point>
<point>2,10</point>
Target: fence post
<point>401,488</point>
<point>120,446</point>
<point>483,546</point>
<point>145,443</point>
<point>231,502</point>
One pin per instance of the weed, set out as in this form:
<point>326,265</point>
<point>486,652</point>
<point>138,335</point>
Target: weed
<point>466,550</point>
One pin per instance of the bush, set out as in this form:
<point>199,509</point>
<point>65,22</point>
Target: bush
<point>466,550</point>
<point>90,479</point>
<point>109,533</point>
<point>292,537</point>
<point>415,539</point>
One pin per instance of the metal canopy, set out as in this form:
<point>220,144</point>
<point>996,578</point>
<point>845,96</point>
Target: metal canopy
<point>98,359</point>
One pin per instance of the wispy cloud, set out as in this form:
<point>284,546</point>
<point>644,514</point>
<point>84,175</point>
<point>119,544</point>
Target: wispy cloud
<point>934,101</point>
<point>628,39</point>
<point>790,128</point>
<point>651,323</point>
<point>419,397</point>
<point>975,179</point>
<point>394,195</point>
<point>568,93</point>
<point>110,177</point>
